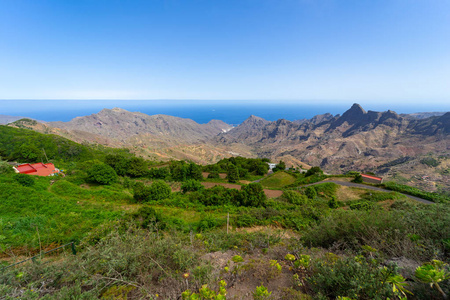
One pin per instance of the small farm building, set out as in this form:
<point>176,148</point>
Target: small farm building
<point>371,179</point>
<point>39,169</point>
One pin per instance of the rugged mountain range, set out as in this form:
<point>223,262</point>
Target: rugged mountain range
<point>356,140</point>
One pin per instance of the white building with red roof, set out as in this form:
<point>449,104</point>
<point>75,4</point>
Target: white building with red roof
<point>38,169</point>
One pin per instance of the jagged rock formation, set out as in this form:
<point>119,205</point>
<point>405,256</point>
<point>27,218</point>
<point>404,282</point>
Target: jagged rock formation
<point>357,140</point>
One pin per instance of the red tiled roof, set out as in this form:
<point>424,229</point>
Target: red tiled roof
<point>371,177</point>
<point>39,169</point>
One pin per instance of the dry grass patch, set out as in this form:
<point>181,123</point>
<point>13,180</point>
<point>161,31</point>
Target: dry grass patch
<point>345,193</point>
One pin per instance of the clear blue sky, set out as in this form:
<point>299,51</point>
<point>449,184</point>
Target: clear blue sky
<point>348,50</point>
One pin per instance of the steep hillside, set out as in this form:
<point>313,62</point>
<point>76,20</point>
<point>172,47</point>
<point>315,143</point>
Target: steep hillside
<point>119,124</point>
<point>357,140</point>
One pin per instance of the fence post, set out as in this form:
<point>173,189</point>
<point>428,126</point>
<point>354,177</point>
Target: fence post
<point>74,251</point>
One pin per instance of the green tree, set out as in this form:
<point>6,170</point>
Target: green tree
<point>29,152</point>
<point>195,172</point>
<point>159,190</point>
<point>281,166</point>
<point>191,186</point>
<point>102,174</point>
<point>179,170</point>
<point>137,167</point>
<point>310,192</point>
<point>233,173</point>
<point>148,217</point>
<point>358,179</point>
<point>262,169</point>
<point>141,192</point>
<point>253,195</point>
<point>314,171</point>
<point>118,162</point>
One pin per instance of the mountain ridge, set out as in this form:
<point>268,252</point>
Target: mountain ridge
<point>356,140</point>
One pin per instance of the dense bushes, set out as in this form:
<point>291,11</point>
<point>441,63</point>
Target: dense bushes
<point>313,171</point>
<point>295,197</point>
<point>387,231</point>
<point>251,195</point>
<point>159,190</point>
<point>191,186</point>
<point>29,146</point>
<point>5,168</point>
<point>182,171</point>
<point>415,192</point>
<point>23,179</point>
<point>355,278</point>
<point>102,174</point>
<point>245,166</point>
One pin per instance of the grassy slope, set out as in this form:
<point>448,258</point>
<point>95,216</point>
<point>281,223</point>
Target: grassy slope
<point>278,180</point>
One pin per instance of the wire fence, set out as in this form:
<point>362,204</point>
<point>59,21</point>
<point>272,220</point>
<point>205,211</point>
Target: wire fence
<point>72,246</point>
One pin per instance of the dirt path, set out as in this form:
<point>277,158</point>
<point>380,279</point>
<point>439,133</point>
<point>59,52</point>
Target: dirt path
<point>368,187</point>
<point>269,193</point>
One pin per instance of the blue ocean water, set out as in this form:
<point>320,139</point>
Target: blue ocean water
<point>202,111</point>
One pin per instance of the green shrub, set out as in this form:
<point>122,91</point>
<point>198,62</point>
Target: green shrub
<point>415,192</point>
<point>208,222</point>
<point>5,168</point>
<point>214,175</point>
<point>431,162</point>
<point>362,205</point>
<point>311,192</point>
<point>387,231</point>
<point>252,195</point>
<point>23,179</point>
<point>102,174</point>
<point>313,171</point>
<point>358,179</point>
<point>246,220</point>
<point>147,217</point>
<point>159,190</point>
<point>295,197</point>
<point>233,174</point>
<point>349,277</point>
<point>137,167</point>
<point>191,186</point>
<point>141,192</point>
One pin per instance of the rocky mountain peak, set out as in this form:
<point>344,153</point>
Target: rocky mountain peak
<point>254,120</point>
<point>355,112</point>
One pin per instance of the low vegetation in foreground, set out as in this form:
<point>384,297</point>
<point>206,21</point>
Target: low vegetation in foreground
<point>153,230</point>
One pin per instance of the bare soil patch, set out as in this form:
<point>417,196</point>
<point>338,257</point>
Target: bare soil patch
<point>221,175</point>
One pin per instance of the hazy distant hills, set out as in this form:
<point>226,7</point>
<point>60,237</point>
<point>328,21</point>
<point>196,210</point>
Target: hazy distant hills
<point>356,140</point>
<point>120,124</point>
<point>4,119</point>
<point>160,137</point>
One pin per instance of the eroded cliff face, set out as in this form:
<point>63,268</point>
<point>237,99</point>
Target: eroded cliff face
<point>357,140</point>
